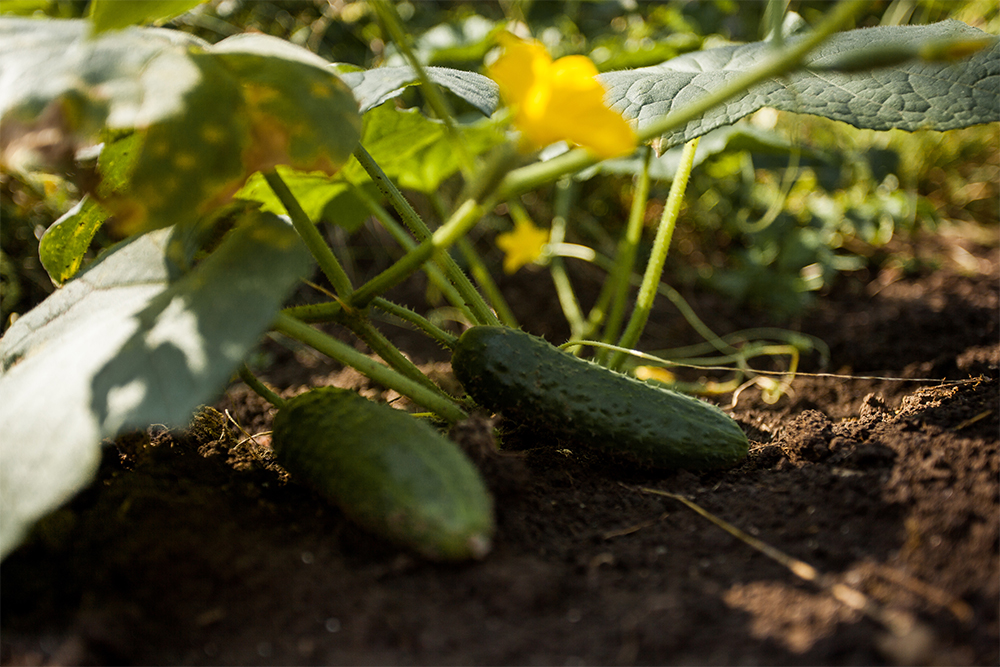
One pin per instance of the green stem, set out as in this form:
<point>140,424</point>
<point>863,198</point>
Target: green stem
<point>389,353</point>
<point>310,235</point>
<point>473,300</point>
<point>260,388</point>
<point>461,221</point>
<point>661,245</point>
<point>443,406</point>
<point>486,283</point>
<point>421,322</point>
<point>618,282</point>
<point>328,311</point>
<point>479,272</point>
<point>434,273</point>
<point>557,268</point>
<point>534,175</point>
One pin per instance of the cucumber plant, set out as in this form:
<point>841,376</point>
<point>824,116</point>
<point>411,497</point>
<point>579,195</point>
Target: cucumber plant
<point>215,161</point>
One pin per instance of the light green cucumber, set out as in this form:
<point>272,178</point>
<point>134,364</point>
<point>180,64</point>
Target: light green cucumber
<point>531,381</point>
<point>391,473</point>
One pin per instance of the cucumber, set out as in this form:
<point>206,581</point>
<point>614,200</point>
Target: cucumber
<point>391,473</point>
<point>531,381</point>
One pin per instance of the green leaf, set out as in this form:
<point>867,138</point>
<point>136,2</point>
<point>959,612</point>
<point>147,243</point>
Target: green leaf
<point>117,14</point>
<point>312,190</point>
<point>414,149</point>
<point>411,149</point>
<point>207,117</point>
<point>909,95</point>
<point>374,87</point>
<point>64,243</point>
<point>122,347</point>
<point>60,89</point>
<point>300,113</point>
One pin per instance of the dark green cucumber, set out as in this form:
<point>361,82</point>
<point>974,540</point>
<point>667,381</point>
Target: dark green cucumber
<point>391,473</point>
<point>534,382</point>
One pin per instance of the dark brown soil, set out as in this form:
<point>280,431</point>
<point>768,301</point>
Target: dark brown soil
<point>195,549</point>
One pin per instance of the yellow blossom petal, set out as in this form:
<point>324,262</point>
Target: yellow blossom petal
<point>558,101</point>
<point>522,246</point>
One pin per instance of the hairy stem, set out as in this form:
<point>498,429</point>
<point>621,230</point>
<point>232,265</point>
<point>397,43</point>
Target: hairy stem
<point>481,311</point>
<point>435,401</point>
<point>310,235</point>
<point>661,245</point>
<point>260,388</point>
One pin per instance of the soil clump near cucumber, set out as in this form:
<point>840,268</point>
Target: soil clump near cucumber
<point>195,548</point>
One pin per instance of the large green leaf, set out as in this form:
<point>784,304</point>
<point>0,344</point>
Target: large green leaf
<point>877,78</point>
<point>376,86</point>
<point>122,347</point>
<point>910,94</point>
<point>207,116</point>
<point>412,149</point>
<point>117,14</point>
<point>415,150</point>
<point>61,88</point>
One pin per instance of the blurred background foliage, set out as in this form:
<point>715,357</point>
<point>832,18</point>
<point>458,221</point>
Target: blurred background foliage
<point>770,222</point>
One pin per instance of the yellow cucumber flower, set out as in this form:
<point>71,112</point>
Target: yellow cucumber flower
<point>558,101</point>
<point>522,246</point>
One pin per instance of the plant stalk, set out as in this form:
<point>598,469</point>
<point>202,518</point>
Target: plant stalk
<point>618,282</point>
<point>433,271</point>
<point>260,388</point>
<point>435,401</point>
<point>310,236</point>
<point>661,245</point>
<point>482,314</point>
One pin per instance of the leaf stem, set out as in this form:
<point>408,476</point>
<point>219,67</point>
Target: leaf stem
<point>259,387</point>
<point>557,268</point>
<point>661,245</point>
<point>310,235</point>
<point>473,299</point>
<point>436,401</point>
<point>416,319</point>
<point>433,271</point>
<point>618,282</point>
<point>461,221</point>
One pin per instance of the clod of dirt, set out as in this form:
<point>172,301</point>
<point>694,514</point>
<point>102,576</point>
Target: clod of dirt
<point>806,438</point>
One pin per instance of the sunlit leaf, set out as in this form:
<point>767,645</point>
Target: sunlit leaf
<point>122,347</point>
<point>59,89</point>
<point>300,113</point>
<point>117,14</point>
<point>415,150</point>
<point>909,95</point>
<point>376,86</point>
<point>64,243</point>
<point>207,117</point>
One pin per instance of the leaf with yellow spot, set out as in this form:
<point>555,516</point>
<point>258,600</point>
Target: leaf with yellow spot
<point>205,118</point>
<point>300,113</point>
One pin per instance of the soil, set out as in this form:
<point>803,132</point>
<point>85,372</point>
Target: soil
<point>195,548</point>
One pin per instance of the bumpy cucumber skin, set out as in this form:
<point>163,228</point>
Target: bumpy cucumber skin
<point>533,382</point>
<point>389,472</point>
